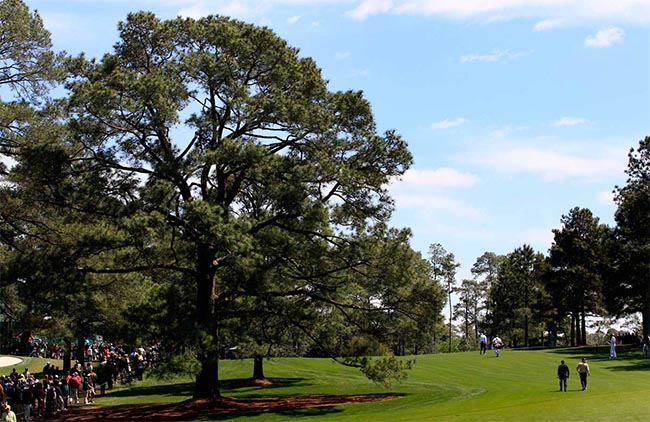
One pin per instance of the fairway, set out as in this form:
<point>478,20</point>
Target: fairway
<point>518,386</point>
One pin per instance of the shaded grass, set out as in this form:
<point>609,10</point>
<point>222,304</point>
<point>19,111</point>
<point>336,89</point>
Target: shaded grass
<point>518,386</point>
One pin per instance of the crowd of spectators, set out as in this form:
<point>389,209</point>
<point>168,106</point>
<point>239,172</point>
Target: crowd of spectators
<point>50,392</point>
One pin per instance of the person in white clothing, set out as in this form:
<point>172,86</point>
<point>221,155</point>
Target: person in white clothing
<point>497,344</point>
<point>612,347</point>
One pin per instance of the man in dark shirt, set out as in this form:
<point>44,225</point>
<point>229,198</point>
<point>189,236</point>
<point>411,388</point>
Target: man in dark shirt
<point>562,374</point>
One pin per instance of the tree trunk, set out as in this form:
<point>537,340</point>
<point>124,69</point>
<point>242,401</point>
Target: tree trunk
<point>79,351</point>
<point>578,329</point>
<point>67,354</point>
<point>207,386</point>
<point>526,310</point>
<point>526,329</point>
<point>573,329</point>
<point>24,342</point>
<point>207,382</point>
<point>645,316</point>
<point>584,328</point>
<point>258,368</point>
<point>450,314</point>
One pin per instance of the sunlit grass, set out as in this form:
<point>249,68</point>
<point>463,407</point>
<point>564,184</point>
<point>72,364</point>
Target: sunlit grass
<point>518,386</point>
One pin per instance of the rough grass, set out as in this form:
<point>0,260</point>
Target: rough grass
<point>518,386</point>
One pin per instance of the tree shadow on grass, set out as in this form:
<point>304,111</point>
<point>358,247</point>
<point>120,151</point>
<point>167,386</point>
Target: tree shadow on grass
<point>266,383</point>
<point>171,390</point>
<point>593,353</point>
<point>642,365</point>
<point>226,387</point>
<point>627,359</point>
<point>589,352</point>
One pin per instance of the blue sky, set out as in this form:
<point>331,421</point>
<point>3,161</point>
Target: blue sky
<point>515,111</point>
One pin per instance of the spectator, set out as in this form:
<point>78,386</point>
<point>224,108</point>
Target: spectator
<point>563,374</point>
<point>612,347</point>
<point>583,371</point>
<point>74,383</point>
<point>89,385</point>
<point>60,399</point>
<point>28,400</point>
<point>7,414</point>
<point>50,399</point>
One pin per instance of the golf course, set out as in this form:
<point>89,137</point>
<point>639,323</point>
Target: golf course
<point>520,385</point>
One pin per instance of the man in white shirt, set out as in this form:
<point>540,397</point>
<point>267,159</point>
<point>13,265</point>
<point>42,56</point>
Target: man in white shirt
<point>482,339</point>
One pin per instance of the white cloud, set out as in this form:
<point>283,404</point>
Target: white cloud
<point>494,56</point>
<point>195,11</point>
<point>571,121</point>
<point>343,55</point>
<point>575,11</point>
<point>605,37</point>
<point>240,9</point>
<point>546,24</point>
<point>293,19</point>
<point>370,7</point>
<point>446,124</point>
<point>442,177</point>
<point>553,165</point>
<point>430,202</point>
<point>415,191</point>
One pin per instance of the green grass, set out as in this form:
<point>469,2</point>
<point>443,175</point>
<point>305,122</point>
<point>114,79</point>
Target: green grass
<point>518,386</point>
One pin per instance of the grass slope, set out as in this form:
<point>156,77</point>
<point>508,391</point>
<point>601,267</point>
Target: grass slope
<point>518,386</point>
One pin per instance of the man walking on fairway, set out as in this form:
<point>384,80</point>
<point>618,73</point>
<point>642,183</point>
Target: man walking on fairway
<point>483,343</point>
<point>497,344</point>
<point>583,371</point>
<point>562,374</point>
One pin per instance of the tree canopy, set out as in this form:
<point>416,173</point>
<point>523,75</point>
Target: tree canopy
<point>627,287</point>
<point>259,186</point>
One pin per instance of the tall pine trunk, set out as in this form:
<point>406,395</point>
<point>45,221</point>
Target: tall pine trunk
<point>573,329</point>
<point>645,316</point>
<point>578,329</point>
<point>207,385</point>
<point>67,354</point>
<point>526,329</point>
<point>450,315</point>
<point>80,356</point>
<point>584,327</point>
<point>207,382</point>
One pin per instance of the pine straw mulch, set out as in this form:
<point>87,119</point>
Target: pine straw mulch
<point>222,408</point>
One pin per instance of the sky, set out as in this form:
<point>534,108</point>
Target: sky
<point>515,111</point>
